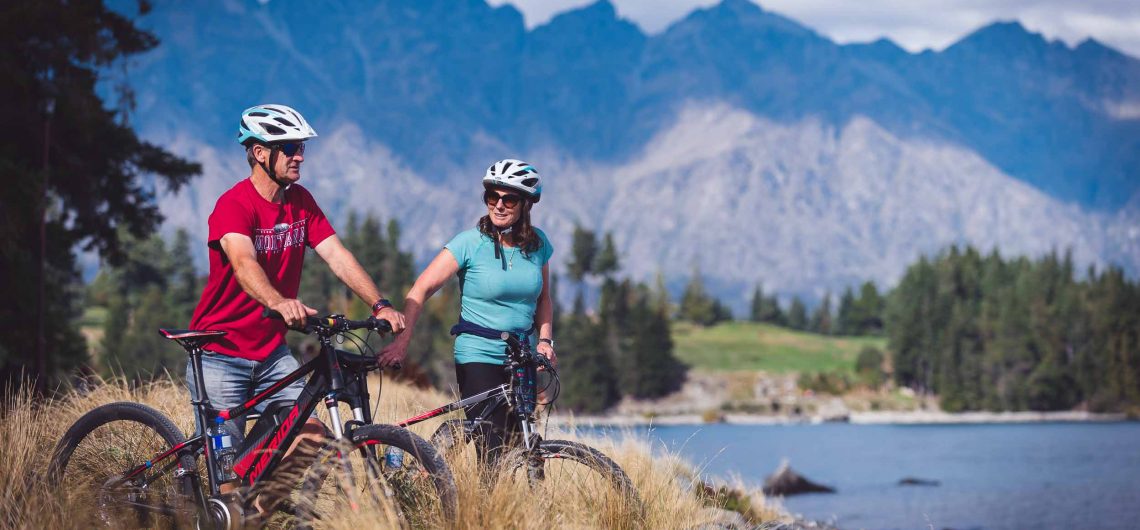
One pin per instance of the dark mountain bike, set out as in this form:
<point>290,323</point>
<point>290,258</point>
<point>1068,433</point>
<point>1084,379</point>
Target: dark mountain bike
<point>138,469</point>
<point>560,465</point>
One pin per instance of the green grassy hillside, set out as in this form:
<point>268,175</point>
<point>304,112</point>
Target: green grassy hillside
<point>735,346</point>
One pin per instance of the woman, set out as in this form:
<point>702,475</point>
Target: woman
<point>504,281</point>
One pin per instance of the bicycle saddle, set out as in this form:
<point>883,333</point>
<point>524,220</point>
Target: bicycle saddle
<point>194,336</point>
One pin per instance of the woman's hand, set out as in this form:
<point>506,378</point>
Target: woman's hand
<point>547,351</point>
<point>394,353</point>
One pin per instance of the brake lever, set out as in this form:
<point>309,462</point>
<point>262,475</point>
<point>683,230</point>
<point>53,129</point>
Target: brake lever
<point>543,361</point>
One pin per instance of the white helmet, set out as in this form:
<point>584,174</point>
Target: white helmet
<point>516,175</point>
<point>273,123</point>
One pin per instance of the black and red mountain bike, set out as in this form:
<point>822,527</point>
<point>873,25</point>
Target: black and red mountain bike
<point>137,468</point>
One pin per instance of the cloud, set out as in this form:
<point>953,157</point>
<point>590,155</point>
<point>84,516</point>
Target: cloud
<point>913,25</point>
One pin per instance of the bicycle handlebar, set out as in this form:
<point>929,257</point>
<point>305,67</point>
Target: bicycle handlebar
<point>336,323</point>
<point>517,346</point>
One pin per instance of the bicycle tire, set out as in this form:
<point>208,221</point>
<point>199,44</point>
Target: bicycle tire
<point>451,436</point>
<point>540,467</point>
<point>424,460</point>
<point>111,439</point>
<point>446,438</point>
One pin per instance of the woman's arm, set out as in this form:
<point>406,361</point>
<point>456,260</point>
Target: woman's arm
<point>344,265</point>
<point>544,317</point>
<point>436,274</point>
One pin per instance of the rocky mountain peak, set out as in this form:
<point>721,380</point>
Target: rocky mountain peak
<point>1002,39</point>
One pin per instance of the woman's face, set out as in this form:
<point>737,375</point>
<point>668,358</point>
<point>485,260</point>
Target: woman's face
<point>504,206</point>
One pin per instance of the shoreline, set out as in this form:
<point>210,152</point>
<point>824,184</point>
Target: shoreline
<point>856,418</point>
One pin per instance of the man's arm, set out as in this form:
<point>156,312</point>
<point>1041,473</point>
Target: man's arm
<point>345,267</point>
<point>239,250</point>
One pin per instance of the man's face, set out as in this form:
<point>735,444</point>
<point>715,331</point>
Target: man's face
<point>287,164</point>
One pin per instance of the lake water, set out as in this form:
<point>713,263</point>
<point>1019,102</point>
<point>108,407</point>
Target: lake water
<point>995,477</point>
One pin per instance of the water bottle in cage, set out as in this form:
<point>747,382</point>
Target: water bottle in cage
<point>393,458</point>
<point>223,446</point>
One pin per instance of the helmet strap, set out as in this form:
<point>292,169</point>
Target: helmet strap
<point>268,168</point>
<point>500,254</point>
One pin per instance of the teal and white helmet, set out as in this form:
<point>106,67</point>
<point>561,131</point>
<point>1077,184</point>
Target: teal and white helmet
<point>516,175</point>
<point>273,123</point>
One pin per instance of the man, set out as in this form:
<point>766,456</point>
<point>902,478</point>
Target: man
<point>258,232</point>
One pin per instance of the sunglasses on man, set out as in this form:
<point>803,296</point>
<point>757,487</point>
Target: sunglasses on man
<point>290,149</point>
<point>510,200</point>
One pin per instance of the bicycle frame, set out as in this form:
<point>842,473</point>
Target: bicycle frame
<point>326,384</point>
<point>504,394</point>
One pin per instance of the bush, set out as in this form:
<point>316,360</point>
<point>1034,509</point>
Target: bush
<point>833,383</point>
<point>869,367</point>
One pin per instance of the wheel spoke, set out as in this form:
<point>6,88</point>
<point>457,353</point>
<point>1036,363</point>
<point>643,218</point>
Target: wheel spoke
<point>105,444</point>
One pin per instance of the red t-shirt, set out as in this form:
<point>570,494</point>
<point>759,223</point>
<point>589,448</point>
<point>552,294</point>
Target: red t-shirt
<point>280,233</point>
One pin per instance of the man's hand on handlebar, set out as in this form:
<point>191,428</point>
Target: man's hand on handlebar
<point>293,311</point>
<point>394,318</point>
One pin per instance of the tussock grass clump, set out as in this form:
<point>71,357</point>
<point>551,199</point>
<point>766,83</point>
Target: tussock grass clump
<point>671,492</point>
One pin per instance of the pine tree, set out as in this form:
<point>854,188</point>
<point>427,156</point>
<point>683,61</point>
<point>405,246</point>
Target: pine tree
<point>775,315</point>
<point>583,249</point>
<point>797,314</point>
<point>869,307</point>
<point>399,270</point>
<point>72,166</point>
<point>698,307</point>
<point>1018,334</point>
<point>606,261</point>
<point>765,308</point>
<point>186,287</point>
<point>586,371</point>
<point>152,288</point>
<point>756,307</point>
<point>845,323</point>
<point>821,318</point>
<point>653,371</point>
<point>659,296</point>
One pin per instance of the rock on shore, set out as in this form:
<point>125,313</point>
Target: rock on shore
<point>785,481</point>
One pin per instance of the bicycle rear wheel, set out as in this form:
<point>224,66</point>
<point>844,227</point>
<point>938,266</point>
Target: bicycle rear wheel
<point>347,480</point>
<point>93,457</point>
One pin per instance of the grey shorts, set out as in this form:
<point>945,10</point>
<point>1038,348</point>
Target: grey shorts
<point>231,381</point>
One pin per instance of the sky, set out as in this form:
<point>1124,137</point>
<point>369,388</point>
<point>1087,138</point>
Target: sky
<point>913,24</point>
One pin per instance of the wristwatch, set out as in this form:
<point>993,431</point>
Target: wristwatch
<point>548,341</point>
<point>381,304</point>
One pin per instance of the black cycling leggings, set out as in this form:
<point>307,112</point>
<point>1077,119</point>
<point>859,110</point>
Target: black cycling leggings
<point>490,440</point>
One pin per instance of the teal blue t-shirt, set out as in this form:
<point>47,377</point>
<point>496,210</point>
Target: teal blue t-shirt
<point>493,297</point>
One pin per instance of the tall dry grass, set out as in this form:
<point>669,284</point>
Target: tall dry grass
<point>669,487</point>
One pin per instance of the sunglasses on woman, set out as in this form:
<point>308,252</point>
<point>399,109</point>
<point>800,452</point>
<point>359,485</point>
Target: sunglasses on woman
<point>510,200</point>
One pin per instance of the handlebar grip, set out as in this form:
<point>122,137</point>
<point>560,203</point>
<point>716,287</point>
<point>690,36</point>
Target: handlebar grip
<point>309,321</point>
<point>383,326</point>
<point>269,313</point>
<point>511,341</point>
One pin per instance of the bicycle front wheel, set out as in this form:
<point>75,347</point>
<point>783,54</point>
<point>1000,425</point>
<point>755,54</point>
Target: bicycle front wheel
<point>351,479</point>
<point>98,461</point>
<point>577,473</point>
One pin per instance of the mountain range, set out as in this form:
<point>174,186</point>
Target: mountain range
<point>737,142</point>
